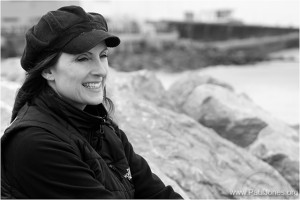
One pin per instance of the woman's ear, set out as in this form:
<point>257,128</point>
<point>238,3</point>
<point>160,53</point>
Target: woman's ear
<point>47,74</point>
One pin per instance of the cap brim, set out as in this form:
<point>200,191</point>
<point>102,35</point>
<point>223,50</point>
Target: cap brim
<point>88,40</point>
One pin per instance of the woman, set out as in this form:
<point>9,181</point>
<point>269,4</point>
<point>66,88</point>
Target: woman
<point>61,142</point>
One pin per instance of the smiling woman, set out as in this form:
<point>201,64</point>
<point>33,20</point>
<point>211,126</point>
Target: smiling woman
<point>80,79</point>
<point>62,142</point>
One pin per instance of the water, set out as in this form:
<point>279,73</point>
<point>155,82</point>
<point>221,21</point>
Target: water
<point>273,85</point>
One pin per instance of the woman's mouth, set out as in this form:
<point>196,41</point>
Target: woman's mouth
<point>92,85</point>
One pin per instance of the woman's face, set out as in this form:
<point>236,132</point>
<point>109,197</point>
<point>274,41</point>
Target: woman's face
<point>80,79</point>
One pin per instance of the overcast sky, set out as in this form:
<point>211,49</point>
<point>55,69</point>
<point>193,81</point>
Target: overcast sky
<point>256,12</point>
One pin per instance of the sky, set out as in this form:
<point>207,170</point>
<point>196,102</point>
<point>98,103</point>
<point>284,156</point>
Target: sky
<point>284,13</point>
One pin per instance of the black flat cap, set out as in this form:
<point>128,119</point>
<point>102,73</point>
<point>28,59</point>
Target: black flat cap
<point>69,29</point>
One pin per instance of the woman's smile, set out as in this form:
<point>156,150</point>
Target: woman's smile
<point>92,85</point>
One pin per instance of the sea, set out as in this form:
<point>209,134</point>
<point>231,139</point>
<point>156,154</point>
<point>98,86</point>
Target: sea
<point>272,85</point>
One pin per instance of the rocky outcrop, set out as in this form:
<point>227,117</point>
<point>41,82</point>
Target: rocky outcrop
<point>236,118</point>
<point>167,180</point>
<point>12,75</point>
<point>145,85</point>
<point>5,118</point>
<point>8,92</point>
<point>218,108</point>
<point>288,168</point>
<point>11,69</point>
<point>202,163</point>
<point>280,143</point>
<point>181,89</point>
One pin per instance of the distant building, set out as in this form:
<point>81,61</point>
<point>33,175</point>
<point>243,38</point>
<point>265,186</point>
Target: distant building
<point>18,16</point>
<point>189,16</point>
<point>211,16</point>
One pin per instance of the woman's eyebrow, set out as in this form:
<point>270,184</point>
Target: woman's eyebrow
<point>106,49</point>
<point>86,53</point>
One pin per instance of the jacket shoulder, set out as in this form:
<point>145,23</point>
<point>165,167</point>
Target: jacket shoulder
<point>31,121</point>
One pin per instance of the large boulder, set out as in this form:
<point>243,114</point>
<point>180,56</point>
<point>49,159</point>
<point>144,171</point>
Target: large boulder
<point>182,88</point>
<point>236,118</point>
<point>278,145</point>
<point>202,163</point>
<point>230,115</point>
<point>144,84</point>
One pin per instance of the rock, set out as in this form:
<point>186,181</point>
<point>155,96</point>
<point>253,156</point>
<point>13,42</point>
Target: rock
<point>11,69</point>
<point>201,162</point>
<point>220,109</point>
<point>5,118</point>
<point>11,75</point>
<point>288,168</point>
<point>236,118</point>
<point>279,139</point>
<point>295,127</point>
<point>144,84</point>
<point>274,140</point>
<point>168,181</point>
<point>181,89</point>
<point>8,93</point>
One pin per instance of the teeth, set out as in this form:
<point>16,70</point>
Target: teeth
<point>92,85</point>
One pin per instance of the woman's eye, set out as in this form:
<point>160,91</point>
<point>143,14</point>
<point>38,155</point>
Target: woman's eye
<point>103,55</point>
<point>82,59</point>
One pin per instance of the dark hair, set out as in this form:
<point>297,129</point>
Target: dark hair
<point>34,83</point>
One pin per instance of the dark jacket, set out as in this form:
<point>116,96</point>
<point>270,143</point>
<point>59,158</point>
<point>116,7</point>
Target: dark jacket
<point>54,150</point>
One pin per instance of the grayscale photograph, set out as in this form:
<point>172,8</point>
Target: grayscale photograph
<point>150,99</point>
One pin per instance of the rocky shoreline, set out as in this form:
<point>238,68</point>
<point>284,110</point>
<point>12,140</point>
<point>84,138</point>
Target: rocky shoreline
<point>202,125</point>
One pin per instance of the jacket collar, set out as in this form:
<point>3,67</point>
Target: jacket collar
<point>89,118</point>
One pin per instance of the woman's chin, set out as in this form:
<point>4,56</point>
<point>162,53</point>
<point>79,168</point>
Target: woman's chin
<point>95,102</point>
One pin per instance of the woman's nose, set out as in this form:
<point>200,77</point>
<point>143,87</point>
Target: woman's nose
<point>100,67</point>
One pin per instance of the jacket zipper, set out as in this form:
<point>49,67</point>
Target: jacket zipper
<point>121,178</point>
<point>101,136</point>
<point>116,171</point>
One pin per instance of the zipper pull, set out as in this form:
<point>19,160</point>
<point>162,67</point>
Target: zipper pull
<point>101,129</point>
<point>120,176</point>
